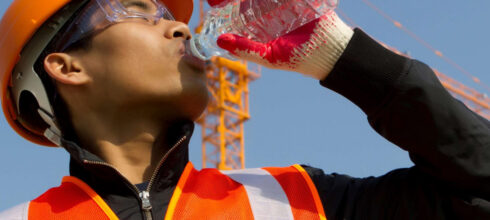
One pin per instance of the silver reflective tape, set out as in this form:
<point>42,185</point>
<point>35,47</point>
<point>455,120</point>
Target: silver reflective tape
<point>20,212</point>
<point>267,198</point>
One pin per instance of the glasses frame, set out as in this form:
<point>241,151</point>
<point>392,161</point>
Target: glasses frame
<point>97,15</point>
<point>120,13</point>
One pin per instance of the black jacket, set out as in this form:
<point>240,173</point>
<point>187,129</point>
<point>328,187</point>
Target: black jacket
<point>404,102</point>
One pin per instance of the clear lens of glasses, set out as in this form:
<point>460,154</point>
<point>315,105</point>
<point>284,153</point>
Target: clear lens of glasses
<point>99,14</point>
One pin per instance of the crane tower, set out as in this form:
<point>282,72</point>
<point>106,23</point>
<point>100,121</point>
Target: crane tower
<point>223,141</point>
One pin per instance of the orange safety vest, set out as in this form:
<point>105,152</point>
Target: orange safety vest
<point>265,193</point>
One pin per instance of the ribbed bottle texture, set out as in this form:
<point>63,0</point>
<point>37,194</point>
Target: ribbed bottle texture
<point>259,20</point>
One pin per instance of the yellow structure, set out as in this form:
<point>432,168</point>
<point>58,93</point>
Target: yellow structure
<point>223,140</point>
<point>474,100</point>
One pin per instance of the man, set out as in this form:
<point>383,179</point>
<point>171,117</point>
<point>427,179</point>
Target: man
<point>113,86</point>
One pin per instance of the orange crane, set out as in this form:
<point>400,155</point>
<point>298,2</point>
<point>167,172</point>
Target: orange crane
<point>474,100</point>
<point>222,124</point>
<point>223,140</point>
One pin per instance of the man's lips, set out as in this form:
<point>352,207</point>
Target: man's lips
<point>190,59</point>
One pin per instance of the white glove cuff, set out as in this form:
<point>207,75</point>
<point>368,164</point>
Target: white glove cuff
<point>327,44</point>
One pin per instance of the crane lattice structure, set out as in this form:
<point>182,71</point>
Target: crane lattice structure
<point>223,143</point>
<point>474,100</point>
<point>223,133</point>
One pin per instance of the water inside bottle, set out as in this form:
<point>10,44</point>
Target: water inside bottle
<point>259,20</point>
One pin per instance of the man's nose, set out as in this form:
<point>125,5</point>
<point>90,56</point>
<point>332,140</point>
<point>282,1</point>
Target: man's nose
<point>177,29</point>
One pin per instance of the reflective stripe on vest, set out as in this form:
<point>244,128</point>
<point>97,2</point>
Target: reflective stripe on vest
<point>19,212</point>
<point>267,193</point>
<point>272,203</point>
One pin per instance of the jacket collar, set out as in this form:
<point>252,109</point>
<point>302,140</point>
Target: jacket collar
<point>102,178</point>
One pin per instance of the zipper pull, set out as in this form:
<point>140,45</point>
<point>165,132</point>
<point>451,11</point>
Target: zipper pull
<point>145,203</point>
<point>145,200</point>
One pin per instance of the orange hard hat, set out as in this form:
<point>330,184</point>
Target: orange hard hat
<point>19,24</point>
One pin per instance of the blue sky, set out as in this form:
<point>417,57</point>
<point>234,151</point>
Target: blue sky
<point>294,119</point>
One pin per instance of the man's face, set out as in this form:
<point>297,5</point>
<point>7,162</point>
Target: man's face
<point>136,64</point>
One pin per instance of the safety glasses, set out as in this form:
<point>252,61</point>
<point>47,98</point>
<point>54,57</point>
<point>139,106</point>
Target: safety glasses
<point>99,14</point>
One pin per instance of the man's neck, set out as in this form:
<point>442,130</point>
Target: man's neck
<point>133,145</point>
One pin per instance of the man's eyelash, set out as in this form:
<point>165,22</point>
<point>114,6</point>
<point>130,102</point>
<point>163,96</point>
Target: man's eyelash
<point>140,4</point>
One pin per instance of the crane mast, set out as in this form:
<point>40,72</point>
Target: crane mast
<point>222,124</point>
<point>223,140</point>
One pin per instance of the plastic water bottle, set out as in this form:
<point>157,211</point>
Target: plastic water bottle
<point>258,20</point>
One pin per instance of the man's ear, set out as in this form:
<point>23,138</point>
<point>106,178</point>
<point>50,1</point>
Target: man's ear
<point>65,69</point>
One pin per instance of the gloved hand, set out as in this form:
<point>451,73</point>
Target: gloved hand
<point>312,49</point>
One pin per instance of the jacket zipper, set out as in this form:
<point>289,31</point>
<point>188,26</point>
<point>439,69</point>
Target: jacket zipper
<point>145,204</point>
<point>145,195</point>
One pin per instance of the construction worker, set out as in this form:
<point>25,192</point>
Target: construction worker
<point>109,81</point>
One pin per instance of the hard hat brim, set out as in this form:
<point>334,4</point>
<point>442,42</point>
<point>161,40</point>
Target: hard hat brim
<point>182,9</point>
